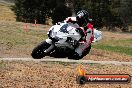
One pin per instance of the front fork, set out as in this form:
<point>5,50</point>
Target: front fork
<point>51,47</point>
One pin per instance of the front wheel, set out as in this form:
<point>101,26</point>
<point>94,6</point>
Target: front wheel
<point>39,51</point>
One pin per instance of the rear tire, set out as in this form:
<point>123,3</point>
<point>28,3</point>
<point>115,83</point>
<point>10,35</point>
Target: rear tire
<point>38,51</point>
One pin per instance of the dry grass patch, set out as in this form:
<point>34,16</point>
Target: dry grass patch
<point>21,74</point>
<point>6,13</point>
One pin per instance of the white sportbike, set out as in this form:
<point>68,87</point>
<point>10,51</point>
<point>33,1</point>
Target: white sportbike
<point>64,40</point>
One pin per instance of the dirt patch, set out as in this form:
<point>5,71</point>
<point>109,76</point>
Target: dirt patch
<point>21,74</point>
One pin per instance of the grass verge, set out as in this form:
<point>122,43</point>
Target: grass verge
<point>123,46</point>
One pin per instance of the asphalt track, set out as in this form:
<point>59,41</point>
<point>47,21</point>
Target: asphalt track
<point>64,60</point>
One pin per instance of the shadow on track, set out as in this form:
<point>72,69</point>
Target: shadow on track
<point>58,55</point>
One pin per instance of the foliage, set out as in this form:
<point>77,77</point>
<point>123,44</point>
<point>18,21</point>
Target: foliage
<point>60,13</point>
<point>109,13</point>
<point>30,10</point>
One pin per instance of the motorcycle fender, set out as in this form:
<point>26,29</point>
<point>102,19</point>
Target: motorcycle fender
<point>49,41</point>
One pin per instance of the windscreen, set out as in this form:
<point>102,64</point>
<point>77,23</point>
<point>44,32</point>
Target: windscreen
<point>64,28</point>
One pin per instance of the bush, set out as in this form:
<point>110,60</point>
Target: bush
<point>60,13</point>
<point>30,10</point>
<point>115,13</point>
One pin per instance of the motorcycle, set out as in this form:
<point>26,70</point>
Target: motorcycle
<point>64,39</point>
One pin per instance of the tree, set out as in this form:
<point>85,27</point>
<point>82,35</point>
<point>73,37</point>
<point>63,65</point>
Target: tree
<point>30,10</point>
<point>60,13</point>
<point>109,13</point>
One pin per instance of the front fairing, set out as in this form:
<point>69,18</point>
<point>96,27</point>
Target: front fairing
<point>64,30</point>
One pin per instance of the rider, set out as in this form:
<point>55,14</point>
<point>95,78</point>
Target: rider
<point>82,19</point>
<point>85,29</point>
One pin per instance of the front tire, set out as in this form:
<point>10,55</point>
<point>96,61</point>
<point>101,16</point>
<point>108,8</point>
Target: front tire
<point>38,51</point>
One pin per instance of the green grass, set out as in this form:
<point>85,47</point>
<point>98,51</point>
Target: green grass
<point>123,46</point>
<point>119,49</point>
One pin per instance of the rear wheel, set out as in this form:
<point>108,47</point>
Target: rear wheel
<point>39,51</point>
